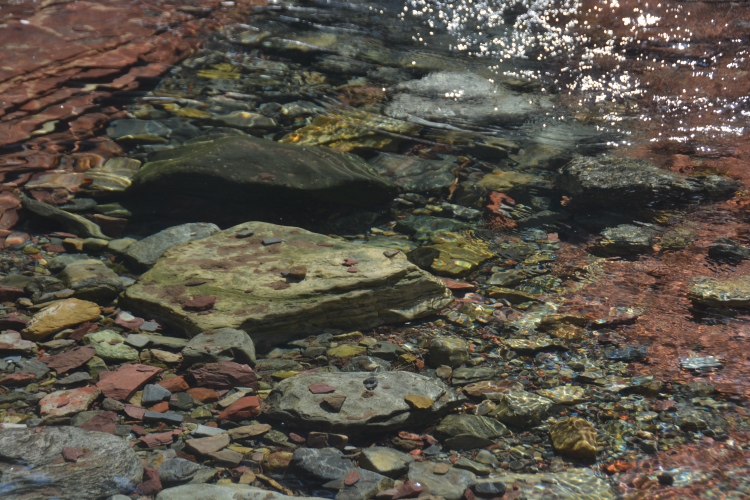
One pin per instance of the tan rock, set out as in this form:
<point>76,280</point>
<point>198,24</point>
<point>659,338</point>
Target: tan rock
<point>418,402</point>
<point>58,316</point>
<point>206,445</point>
<point>574,437</point>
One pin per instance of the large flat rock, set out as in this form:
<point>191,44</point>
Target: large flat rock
<point>247,280</point>
<point>248,168</point>
<point>32,464</point>
<point>383,408</point>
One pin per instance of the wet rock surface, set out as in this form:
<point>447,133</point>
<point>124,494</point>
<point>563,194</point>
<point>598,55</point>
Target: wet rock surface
<point>243,276</point>
<point>74,463</point>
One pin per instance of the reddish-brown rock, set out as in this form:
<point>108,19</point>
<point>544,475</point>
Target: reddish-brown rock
<point>174,384</point>
<point>10,293</point>
<point>103,422</point>
<point>159,439</point>
<point>12,342</point>
<point>123,383</point>
<point>224,375</point>
<point>18,379</point>
<point>68,402</point>
<point>69,360</point>
<point>206,445</point>
<point>203,394</point>
<point>72,454</point>
<point>151,485</point>
<point>321,388</point>
<point>135,412</point>
<point>242,409</point>
<point>201,303</point>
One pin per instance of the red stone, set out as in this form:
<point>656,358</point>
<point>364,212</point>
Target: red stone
<point>321,388</point>
<point>160,407</point>
<point>53,248</point>
<point>103,422</point>
<point>135,412</point>
<point>200,303</point>
<point>175,384</point>
<point>130,324</point>
<point>350,262</point>
<point>242,409</point>
<point>18,379</point>
<point>72,454</point>
<point>151,484</point>
<point>123,383</point>
<point>296,438</point>
<point>68,402</point>
<point>69,360</point>
<point>351,478</point>
<point>408,489</point>
<point>13,321</point>
<point>457,285</point>
<point>10,293</point>
<point>82,330</point>
<point>160,439</point>
<point>203,395</point>
<point>224,375</point>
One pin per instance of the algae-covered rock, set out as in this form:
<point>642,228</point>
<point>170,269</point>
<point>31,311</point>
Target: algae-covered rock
<point>240,278</point>
<point>242,168</point>
<point>574,437</point>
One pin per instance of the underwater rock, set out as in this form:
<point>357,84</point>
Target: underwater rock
<point>721,294</point>
<point>464,99</point>
<point>381,408</point>
<point>634,184</point>
<point>415,174</point>
<point>625,240</point>
<point>251,293</point>
<point>244,169</point>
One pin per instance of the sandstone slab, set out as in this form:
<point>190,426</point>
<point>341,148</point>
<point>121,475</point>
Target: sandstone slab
<point>58,316</point>
<point>69,402</point>
<point>380,409</point>
<point>252,294</point>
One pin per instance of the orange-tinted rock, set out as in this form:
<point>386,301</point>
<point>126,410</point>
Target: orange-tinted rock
<point>60,315</point>
<point>175,384</point>
<point>123,383</point>
<point>160,407</point>
<point>242,409</point>
<point>204,395</point>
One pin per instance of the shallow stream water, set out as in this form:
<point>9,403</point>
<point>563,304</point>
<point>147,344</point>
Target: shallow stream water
<point>474,109</point>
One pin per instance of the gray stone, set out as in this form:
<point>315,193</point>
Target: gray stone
<point>472,466</point>
<point>30,365</point>
<point>386,350</point>
<point>153,393</point>
<point>380,409</point>
<point>325,464</point>
<point>166,417</point>
<point>251,297</point>
<point>223,492</point>
<point>144,253</point>
<point>634,184</point>
<point>450,485</point>
<point>414,174</point>
<point>182,401</point>
<point>366,364</point>
<point>468,432</point>
<point>75,378</point>
<point>448,351</point>
<point>223,344</point>
<point>625,240</point>
<point>248,168</point>
<point>108,466</point>
<point>367,486</point>
<point>522,409</point>
<point>385,461</point>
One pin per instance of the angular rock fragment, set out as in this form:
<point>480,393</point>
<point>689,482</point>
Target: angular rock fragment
<point>60,315</point>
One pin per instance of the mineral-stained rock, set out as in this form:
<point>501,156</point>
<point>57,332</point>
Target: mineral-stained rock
<point>574,437</point>
<point>712,293</point>
<point>449,485</point>
<point>635,184</point>
<point>60,315</point>
<point>144,253</point>
<point>107,466</point>
<point>224,344</point>
<point>380,409</point>
<point>521,408</point>
<point>223,492</point>
<point>263,171</point>
<point>572,484</point>
<point>244,276</point>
